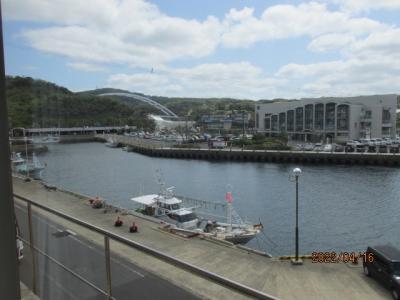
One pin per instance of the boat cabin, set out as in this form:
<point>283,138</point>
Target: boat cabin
<point>167,208</point>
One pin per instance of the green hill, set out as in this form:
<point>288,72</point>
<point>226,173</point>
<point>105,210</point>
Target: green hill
<point>38,103</point>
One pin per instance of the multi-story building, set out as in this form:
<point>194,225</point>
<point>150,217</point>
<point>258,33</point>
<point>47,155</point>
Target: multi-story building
<point>219,121</point>
<point>338,119</point>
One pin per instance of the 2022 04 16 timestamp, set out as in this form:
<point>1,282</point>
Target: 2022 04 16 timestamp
<point>344,257</point>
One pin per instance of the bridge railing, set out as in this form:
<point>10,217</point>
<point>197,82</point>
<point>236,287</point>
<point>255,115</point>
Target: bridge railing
<point>107,235</point>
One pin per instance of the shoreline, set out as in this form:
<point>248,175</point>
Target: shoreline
<point>156,149</point>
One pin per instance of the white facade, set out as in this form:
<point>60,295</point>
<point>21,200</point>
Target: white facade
<point>339,119</point>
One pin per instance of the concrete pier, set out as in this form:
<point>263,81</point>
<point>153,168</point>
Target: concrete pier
<point>272,276</point>
<point>158,149</point>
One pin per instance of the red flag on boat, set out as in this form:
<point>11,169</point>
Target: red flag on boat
<point>229,197</point>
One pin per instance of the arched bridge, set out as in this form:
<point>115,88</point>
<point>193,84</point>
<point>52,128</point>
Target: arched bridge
<point>153,103</point>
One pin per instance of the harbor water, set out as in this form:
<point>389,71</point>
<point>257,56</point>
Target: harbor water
<point>341,208</point>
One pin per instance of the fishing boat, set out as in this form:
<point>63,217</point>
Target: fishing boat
<point>127,148</point>
<point>49,139</point>
<point>234,230</point>
<point>31,168</point>
<point>112,143</point>
<point>16,158</point>
<point>169,208</point>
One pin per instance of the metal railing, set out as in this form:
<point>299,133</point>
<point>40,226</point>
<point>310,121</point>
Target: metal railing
<point>223,281</point>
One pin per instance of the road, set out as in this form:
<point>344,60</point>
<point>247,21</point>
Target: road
<point>86,259</point>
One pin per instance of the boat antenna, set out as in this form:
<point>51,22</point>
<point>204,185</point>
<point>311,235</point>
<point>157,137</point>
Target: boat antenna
<point>160,181</point>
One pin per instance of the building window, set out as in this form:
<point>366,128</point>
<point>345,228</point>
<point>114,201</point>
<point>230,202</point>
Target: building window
<point>257,120</point>
<point>274,123</point>
<point>330,116</point>
<point>386,115</point>
<point>290,120</point>
<point>299,119</point>
<point>267,123</point>
<point>343,117</point>
<point>319,116</point>
<point>282,121</point>
<point>309,117</point>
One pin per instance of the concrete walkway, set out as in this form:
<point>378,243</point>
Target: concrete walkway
<point>278,278</point>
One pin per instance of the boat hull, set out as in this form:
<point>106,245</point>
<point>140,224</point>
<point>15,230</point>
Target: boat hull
<point>240,239</point>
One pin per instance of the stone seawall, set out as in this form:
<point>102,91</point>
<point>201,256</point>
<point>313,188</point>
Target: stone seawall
<point>158,150</point>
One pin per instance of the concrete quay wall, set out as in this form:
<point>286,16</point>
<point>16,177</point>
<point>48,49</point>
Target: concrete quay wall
<point>159,150</point>
<point>70,138</point>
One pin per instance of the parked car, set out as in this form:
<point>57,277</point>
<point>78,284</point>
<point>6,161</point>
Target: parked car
<point>353,143</point>
<point>308,147</point>
<point>396,142</point>
<point>383,263</point>
<point>387,141</point>
<point>328,148</point>
<point>318,147</point>
<point>299,147</point>
<point>365,142</point>
<point>338,148</point>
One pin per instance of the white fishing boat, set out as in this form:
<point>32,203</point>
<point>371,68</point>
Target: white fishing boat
<point>16,159</point>
<point>112,143</point>
<point>31,168</point>
<point>167,207</point>
<point>49,139</point>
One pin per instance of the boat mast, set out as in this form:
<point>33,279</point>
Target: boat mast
<point>26,154</point>
<point>229,199</point>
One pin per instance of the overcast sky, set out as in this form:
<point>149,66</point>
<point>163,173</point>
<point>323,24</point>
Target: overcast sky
<point>210,48</point>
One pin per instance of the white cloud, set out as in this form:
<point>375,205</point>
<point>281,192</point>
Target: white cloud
<point>124,32</point>
<point>237,80</point>
<point>61,11</point>
<point>330,42</point>
<point>85,67</point>
<point>371,66</point>
<point>287,21</point>
<point>356,6</point>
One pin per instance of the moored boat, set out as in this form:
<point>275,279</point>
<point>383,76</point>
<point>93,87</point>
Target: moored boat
<point>169,208</point>
<point>31,168</point>
<point>112,143</point>
<point>49,139</point>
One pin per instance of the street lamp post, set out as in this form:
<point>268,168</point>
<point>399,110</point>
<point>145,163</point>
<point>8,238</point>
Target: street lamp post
<point>296,173</point>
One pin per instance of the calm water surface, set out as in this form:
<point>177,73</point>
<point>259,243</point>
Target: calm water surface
<point>342,208</point>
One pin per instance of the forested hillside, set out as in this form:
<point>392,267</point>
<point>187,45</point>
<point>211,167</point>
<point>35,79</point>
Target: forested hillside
<point>38,103</point>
